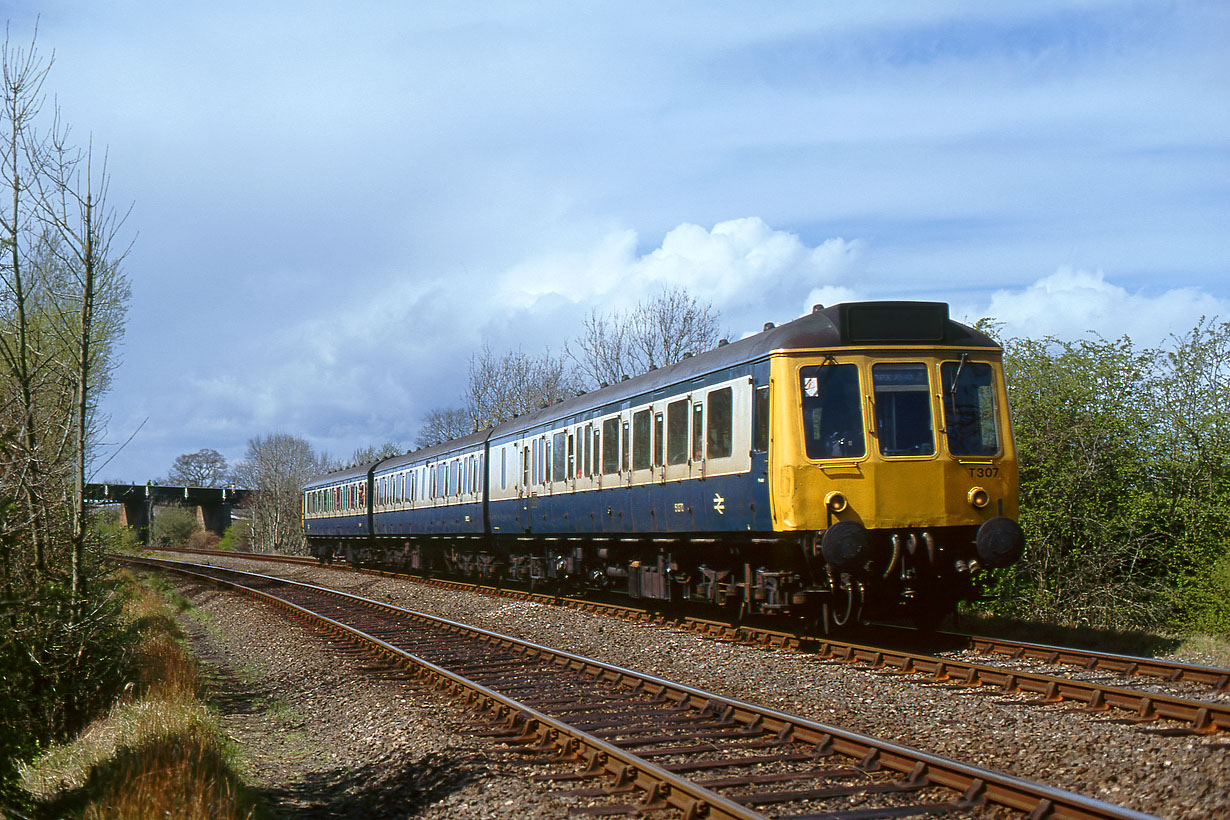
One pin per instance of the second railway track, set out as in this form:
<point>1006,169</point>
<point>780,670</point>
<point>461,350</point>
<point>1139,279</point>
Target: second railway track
<point>666,745</point>
<point>1183,713</point>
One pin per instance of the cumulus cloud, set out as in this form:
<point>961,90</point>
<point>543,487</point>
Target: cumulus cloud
<point>1072,303</point>
<point>736,265</point>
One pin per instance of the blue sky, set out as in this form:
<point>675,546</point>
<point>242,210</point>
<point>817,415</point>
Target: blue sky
<point>336,204</point>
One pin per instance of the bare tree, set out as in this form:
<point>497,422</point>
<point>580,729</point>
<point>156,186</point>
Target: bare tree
<point>204,468</point>
<point>444,424</point>
<point>73,206</point>
<point>658,332</point>
<point>276,467</point>
<point>22,72</point>
<point>370,453</point>
<point>514,384</point>
<point>602,352</point>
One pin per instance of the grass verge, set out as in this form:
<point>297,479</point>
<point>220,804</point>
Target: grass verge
<point>158,752</point>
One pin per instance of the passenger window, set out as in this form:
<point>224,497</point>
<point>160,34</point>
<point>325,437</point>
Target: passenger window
<point>525,467</point>
<point>588,447</point>
<point>536,472</point>
<point>718,434</point>
<point>503,468</point>
<point>624,448</point>
<point>760,419</point>
<point>640,440</point>
<point>597,449</point>
<point>677,432</point>
<point>546,460</point>
<point>610,446</point>
<point>969,408</point>
<point>560,466</point>
<point>657,439</point>
<point>574,470</point>
<point>698,432</point>
<point>903,409</point>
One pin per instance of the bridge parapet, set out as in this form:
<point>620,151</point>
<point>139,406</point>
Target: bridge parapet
<point>213,504</point>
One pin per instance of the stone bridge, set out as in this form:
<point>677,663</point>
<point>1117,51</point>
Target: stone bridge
<point>213,504</point>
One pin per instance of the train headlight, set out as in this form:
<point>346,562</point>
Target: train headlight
<point>836,502</point>
<point>978,498</point>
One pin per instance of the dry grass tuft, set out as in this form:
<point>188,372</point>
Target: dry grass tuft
<point>157,753</point>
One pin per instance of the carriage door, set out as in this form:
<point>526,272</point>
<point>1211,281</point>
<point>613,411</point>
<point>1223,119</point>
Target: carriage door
<point>678,443</point>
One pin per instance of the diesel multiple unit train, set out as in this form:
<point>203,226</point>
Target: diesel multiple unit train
<point>856,462</point>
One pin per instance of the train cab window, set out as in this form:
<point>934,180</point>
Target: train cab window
<point>721,423</point>
<point>832,411</point>
<point>903,409</point>
<point>610,446</point>
<point>640,440</point>
<point>677,432</point>
<point>760,419</point>
<point>969,408</point>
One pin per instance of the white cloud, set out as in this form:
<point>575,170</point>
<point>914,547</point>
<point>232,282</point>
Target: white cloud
<point>739,264</point>
<point>1072,303</point>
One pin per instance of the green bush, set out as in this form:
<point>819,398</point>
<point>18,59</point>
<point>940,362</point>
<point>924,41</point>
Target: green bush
<point>172,526</point>
<point>1125,482</point>
<point>106,526</point>
<point>237,538</point>
<point>1206,606</point>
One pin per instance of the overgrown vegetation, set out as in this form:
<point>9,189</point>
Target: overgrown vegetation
<point>64,649</point>
<point>237,537</point>
<point>172,526</point>
<point>157,752</point>
<point>1125,482</point>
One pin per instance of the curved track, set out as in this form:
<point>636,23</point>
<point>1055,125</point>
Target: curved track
<point>646,743</point>
<point>1192,715</point>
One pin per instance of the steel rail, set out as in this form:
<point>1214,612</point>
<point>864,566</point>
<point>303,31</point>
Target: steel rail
<point>1094,661</point>
<point>1201,716</point>
<point>661,786</point>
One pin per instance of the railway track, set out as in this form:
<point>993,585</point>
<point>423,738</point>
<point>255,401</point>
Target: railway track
<point>1185,715</point>
<point>638,743</point>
